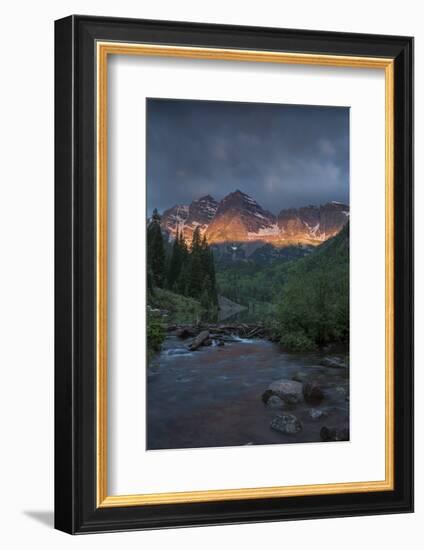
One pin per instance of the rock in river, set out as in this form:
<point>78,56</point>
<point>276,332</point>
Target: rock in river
<point>335,433</point>
<point>287,424</point>
<point>200,340</point>
<point>266,395</point>
<point>274,402</point>
<point>316,414</point>
<point>289,391</point>
<point>312,393</point>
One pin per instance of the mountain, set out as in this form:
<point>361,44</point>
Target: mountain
<point>312,224</point>
<point>238,218</point>
<point>187,218</point>
<point>173,219</point>
<point>201,212</point>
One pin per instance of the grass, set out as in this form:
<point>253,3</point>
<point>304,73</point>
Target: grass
<point>174,307</point>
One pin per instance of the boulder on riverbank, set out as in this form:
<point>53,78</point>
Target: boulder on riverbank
<point>287,424</point>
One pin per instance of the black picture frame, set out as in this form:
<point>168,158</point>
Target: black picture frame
<point>76,510</point>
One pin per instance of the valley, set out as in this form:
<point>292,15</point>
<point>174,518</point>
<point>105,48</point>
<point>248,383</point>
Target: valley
<point>248,324</point>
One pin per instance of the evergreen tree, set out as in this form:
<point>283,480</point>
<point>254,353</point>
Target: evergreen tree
<point>180,265</point>
<point>196,242</point>
<point>150,283</point>
<point>206,295</point>
<point>208,268</point>
<point>196,271</point>
<point>181,284</point>
<point>155,250</point>
<point>189,272</point>
<point>175,262</point>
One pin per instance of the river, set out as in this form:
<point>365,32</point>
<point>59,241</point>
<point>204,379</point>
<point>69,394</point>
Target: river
<point>212,397</point>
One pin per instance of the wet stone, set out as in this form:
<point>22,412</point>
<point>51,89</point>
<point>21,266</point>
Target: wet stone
<point>338,433</point>
<point>287,424</point>
<point>274,402</point>
<point>316,414</point>
<point>289,391</point>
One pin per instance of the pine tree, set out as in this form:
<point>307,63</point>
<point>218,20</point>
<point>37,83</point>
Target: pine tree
<point>196,242</point>
<point>205,297</point>
<point>196,272</point>
<point>195,275</point>
<point>150,283</point>
<point>175,262</point>
<point>155,250</point>
<point>181,284</point>
<point>208,268</point>
<point>180,274</point>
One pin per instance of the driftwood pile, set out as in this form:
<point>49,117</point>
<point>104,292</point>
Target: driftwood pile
<point>207,334</point>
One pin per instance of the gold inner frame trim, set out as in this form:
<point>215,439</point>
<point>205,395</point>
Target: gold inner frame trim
<point>103,50</point>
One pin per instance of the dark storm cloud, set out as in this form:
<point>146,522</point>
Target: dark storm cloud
<point>282,155</point>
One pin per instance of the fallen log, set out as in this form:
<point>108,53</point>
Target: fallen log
<point>199,340</point>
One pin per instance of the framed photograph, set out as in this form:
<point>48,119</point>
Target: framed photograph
<point>234,270</point>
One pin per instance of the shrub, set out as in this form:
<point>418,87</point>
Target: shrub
<point>297,341</point>
<point>155,334</point>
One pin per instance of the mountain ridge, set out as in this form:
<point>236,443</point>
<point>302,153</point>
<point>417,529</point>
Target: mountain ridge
<point>239,218</point>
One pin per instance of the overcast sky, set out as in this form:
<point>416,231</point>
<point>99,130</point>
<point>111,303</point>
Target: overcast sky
<point>282,155</point>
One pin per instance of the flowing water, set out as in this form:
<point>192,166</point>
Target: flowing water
<point>212,397</point>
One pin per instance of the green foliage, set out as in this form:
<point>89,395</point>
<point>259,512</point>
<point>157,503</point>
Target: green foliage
<point>195,273</point>
<point>150,282</point>
<point>176,308</point>
<point>177,260</point>
<point>253,285</point>
<point>303,302</point>
<point>155,250</point>
<point>208,267</point>
<point>314,306</point>
<point>192,272</point>
<point>155,334</point>
<point>297,341</point>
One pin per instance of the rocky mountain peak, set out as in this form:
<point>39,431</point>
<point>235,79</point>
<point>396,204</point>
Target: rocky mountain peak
<point>202,210</point>
<point>237,218</point>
